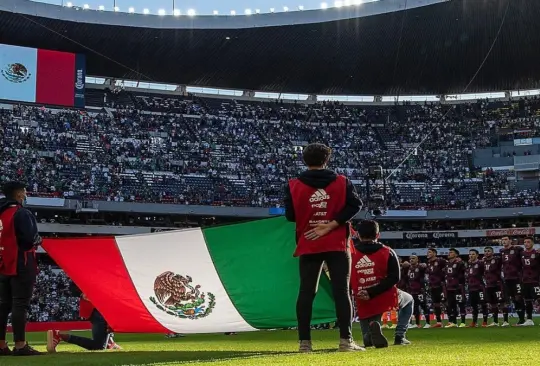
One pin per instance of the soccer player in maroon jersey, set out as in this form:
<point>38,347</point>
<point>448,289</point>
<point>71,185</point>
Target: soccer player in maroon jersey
<point>475,282</point>
<point>416,287</point>
<point>455,288</point>
<point>511,270</point>
<point>530,277</point>
<point>436,273</point>
<point>494,284</point>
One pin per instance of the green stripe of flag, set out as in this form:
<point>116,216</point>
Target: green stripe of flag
<point>255,264</point>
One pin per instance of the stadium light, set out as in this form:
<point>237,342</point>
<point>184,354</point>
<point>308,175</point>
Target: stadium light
<point>116,8</point>
<point>257,11</point>
<point>161,12</point>
<point>272,10</point>
<point>101,7</point>
<point>86,6</point>
<point>233,12</point>
<point>347,2</point>
<point>285,8</point>
<point>324,6</point>
<point>338,4</point>
<point>146,11</point>
<point>131,10</point>
<point>300,7</point>
<point>215,12</point>
<point>69,4</point>
<point>247,11</point>
<point>191,12</point>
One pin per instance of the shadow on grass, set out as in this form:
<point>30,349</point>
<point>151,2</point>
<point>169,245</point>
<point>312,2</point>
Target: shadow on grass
<point>137,358</point>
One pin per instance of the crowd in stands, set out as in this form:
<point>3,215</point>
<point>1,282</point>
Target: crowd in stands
<point>189,150</point>
<point>53,299</point>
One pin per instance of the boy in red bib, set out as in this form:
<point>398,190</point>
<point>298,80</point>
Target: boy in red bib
<point>102,335</point>
<point>374,278</point>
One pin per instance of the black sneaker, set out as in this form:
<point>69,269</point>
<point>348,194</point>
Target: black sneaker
<point>26,351</point>
<point>377,336</point>
<point>6,351</point>
<point>401,341</point>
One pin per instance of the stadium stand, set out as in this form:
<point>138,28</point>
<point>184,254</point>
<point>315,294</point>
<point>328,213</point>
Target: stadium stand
<point>225,152</point>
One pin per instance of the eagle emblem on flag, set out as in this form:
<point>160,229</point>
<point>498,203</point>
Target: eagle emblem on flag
<point>177,296</point>
<point>16,73</point>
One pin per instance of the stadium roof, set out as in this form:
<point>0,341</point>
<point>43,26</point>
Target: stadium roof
<point>426,50</point>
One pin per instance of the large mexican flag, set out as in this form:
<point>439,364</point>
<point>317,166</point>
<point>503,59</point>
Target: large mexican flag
<point>233,278</point>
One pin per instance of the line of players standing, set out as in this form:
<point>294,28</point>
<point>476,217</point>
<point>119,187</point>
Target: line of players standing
<point>491,284</point>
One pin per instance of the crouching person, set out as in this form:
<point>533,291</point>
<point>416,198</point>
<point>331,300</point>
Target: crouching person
<point>374,278</point>
<point>102,335</point>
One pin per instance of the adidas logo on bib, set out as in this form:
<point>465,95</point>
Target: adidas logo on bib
<point>319,195</point>
<point>364,262</point>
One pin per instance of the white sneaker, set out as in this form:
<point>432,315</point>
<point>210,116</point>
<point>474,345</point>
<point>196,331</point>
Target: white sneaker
<point>305,347</point>
<point>505,324</point>
<point>348,345</point>
<point>411,326</point>
<point>493,325</point>
<point>427,326</point>
<point>528,323</point>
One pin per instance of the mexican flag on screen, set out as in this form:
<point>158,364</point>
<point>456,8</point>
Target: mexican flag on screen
<point>233,278</point>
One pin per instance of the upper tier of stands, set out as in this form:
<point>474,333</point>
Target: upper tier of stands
<point>223,152</point>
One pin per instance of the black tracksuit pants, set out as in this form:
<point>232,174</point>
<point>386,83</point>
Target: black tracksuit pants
<point>339,268</point>
<point>15,295</point>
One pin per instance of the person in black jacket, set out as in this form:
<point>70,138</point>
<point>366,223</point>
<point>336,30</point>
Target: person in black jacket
<point>18,267</point>
<point>332,203</point>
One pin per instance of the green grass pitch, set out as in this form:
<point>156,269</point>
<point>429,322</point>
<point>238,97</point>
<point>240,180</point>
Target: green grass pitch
<point>483,346</point>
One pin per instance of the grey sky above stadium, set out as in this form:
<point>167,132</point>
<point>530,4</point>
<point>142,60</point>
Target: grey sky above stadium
<point>185,7</point>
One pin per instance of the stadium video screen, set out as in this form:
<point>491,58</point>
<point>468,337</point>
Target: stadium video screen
<point>41,76</point>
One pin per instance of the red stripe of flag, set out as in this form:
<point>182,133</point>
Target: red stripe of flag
<point>55,78</point>
<point>97,268</point>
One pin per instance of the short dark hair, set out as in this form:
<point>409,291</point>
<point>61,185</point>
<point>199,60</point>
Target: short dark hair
<point>10,189</point>
<point>474,250</point>
<point>368,229</point>
<point>316,154</point>
<point>454,250</point>
<point>489,248</point>
<point>432,250</point>
<point>528,238</point>
<point>506,236</point>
